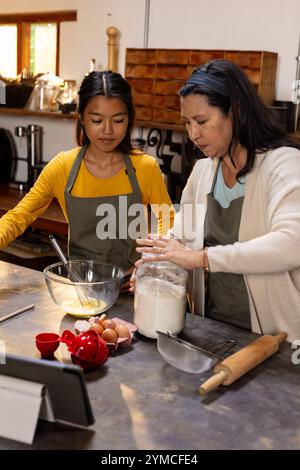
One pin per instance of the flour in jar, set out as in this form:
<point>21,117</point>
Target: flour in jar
<point>159,305</point>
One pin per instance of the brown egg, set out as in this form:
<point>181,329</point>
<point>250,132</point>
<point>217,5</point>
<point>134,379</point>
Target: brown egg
<point>97,327</point>
<point>109,324</point>
<point>122,331</point>
<point>110,335</point>
<point>102,318</point>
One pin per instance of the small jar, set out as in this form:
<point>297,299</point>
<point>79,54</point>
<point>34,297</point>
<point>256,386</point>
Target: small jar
<point>160,298</point>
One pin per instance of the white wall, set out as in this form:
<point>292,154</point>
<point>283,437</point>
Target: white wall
<point>215,24</point>
<point>271,25</point>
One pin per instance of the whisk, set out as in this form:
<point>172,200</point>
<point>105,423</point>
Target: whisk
<point>84,293</point>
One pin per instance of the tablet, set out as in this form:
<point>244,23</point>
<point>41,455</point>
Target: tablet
<point>65,386</point>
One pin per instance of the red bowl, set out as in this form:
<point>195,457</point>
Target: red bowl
<point>47,343</point>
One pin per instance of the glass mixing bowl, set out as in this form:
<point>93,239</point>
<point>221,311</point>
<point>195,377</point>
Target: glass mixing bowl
<point>95,291</point>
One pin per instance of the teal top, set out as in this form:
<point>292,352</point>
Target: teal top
<point>225,195</point>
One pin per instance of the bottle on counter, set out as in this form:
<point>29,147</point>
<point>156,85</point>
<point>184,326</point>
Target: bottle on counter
<point>160,298</point>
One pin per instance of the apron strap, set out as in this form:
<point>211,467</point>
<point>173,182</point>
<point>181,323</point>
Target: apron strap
<point>130,171</point>
<point>215,177</point>
<point>74,170</point>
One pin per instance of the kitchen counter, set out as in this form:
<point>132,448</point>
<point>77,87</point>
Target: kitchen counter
<point>140,402</point>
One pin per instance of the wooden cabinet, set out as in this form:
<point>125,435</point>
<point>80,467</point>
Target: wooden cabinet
<point>156,75</point>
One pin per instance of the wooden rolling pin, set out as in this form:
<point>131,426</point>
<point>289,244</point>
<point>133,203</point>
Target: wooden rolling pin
<point>236,365</point>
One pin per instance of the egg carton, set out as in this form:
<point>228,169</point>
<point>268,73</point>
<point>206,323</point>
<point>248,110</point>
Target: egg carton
<point>84,325</point>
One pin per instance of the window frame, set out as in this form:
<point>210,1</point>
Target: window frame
<point>23,22</point>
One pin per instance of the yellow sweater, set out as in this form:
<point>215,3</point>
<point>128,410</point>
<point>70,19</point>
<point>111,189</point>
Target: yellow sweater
<point>53,179</point>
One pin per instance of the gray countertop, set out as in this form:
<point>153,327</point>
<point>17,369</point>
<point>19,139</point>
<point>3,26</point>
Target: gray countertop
<point>140,402</point>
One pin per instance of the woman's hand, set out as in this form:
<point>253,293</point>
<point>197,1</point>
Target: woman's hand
<point>169,249</point>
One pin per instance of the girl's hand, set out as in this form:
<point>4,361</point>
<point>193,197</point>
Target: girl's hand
<point>169,249</point>
<point>125,287</point>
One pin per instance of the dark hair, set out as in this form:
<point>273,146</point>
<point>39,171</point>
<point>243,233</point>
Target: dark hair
<point>111,85</point>
<point>228,88</point>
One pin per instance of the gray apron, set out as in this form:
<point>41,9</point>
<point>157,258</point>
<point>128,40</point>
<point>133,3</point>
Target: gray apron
<point>83,221</point>
<point>227,298</point>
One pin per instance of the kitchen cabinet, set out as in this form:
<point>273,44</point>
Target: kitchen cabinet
<point>156,75</point>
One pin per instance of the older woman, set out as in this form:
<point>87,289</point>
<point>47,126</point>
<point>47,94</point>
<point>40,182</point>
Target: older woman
<point>240,211</point>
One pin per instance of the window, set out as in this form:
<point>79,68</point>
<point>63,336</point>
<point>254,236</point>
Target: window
<point>31,42</point>
<point>8,55</point>
<point>43,43</point>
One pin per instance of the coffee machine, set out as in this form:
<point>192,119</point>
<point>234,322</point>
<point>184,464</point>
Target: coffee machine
<point>33,134</point>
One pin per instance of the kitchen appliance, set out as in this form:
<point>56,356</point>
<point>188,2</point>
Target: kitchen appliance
<point>8,156</point>
<point>33,134</point>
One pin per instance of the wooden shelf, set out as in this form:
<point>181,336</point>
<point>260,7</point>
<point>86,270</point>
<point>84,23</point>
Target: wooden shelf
<point>73,116</point>
<point>45,114</point>
<point>159,125</point>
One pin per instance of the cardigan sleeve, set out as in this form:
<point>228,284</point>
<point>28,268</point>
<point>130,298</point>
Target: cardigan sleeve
<point>277,250</point>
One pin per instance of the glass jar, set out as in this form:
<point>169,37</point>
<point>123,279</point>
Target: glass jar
<point>160,298</point>
<point>45,92</point>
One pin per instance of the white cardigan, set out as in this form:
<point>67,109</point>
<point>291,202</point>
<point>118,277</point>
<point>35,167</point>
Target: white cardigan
<point>268,250</point>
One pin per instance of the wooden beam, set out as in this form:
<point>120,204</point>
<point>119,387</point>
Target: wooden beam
<point>57,47</point>
<point>25,50</point>
<point>19,47</point>
<point>39,17</point>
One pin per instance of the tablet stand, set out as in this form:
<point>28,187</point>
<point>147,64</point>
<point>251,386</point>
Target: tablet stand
<point>22,403</point>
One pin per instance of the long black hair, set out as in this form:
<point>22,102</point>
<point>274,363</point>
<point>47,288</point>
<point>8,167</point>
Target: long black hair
<point>111,85</point>
<point>227,87</point>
